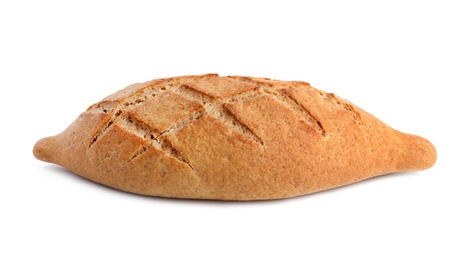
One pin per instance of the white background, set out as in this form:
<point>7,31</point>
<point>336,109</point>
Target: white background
<point>399,60</point>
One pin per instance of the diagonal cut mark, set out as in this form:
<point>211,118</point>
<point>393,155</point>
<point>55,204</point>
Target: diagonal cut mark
<point>216,108</point>
<point>142,130</point>
<point>136,99</point>
<point>283,97</point>
<point>181,123</point>
<point>293,105</point>
<point>235,124</point>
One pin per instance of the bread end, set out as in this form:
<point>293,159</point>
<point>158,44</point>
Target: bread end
<point>44,149</point>
<point>421,154</point>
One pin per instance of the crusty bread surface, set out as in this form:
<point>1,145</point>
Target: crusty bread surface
<point>230,138</point>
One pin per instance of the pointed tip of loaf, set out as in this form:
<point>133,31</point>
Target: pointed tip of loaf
<point>44,149</point>
<point>420,153</point>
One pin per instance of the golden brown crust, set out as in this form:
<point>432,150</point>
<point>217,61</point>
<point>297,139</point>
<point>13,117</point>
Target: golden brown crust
<point>230,138</point>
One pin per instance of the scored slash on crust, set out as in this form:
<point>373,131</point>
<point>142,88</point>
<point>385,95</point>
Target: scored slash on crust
<point>145,132</point>
<point>215,108</point>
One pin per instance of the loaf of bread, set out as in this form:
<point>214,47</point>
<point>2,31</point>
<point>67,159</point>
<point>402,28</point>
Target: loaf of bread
<point>230,138</point>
